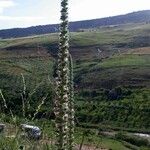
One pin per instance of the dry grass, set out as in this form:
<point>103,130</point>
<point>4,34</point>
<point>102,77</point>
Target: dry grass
<point>141,50</point>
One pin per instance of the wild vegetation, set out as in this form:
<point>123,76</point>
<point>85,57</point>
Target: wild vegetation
<point>111,77</point>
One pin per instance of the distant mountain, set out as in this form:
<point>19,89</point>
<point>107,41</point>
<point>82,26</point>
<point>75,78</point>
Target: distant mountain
<point>135,17</point>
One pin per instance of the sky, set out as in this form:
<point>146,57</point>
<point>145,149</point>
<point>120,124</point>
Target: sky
<point>25,13</point>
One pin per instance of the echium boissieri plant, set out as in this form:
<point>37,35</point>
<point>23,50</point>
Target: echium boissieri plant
<point>64,110</point>
<point>71,112</point>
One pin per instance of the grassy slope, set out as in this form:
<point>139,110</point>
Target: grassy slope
<point>127,70</point>
<point>117,65</point>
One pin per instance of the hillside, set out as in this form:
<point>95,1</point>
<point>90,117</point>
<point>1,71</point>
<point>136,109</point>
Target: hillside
<point>135,17</point>
<point>111,69</point>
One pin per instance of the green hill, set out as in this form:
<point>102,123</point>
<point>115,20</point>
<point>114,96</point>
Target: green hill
<point>130,18</point>
<point>111,68</point>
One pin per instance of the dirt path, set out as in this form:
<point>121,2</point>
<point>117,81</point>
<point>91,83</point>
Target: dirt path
<point>89,147</point>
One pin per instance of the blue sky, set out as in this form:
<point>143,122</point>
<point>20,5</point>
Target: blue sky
<point>24,13</point>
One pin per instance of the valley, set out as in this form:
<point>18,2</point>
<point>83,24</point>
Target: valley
<point>111,77</point>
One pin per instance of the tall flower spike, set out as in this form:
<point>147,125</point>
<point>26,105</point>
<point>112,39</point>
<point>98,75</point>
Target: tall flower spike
<point>71,106</point>
<point>62,91</point>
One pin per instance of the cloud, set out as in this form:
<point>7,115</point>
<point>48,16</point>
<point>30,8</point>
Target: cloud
<point>12,20</point>
<point>20,19</point>
<point>6,4</point>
